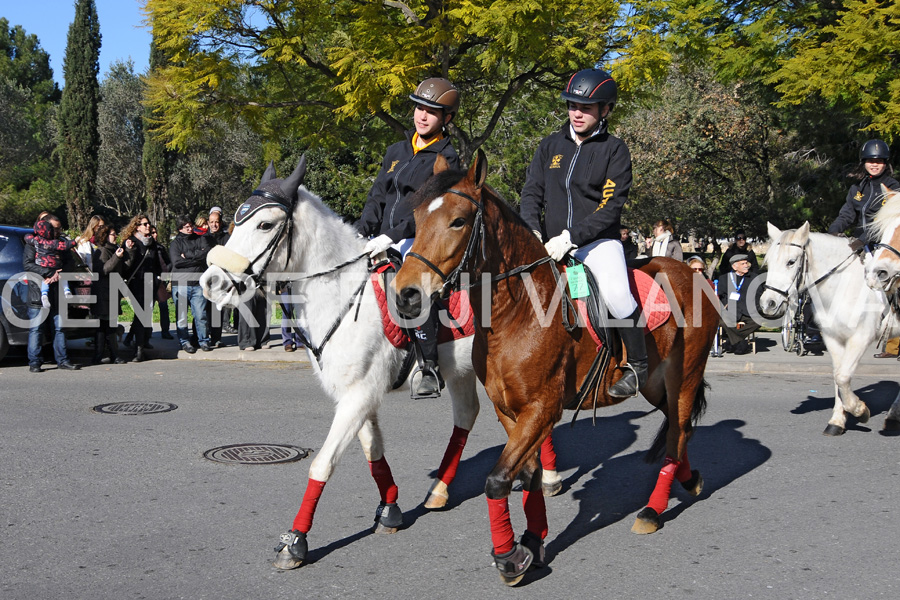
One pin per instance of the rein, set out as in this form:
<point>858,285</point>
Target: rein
<point>804,269</point>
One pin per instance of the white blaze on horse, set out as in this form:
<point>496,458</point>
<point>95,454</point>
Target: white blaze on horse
<point>883,268</point>
<point>284,229</point>
<point>848,313</point>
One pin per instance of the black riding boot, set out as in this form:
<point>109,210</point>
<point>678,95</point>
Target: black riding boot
<point>99,341</point>
<point>636,368</point>
<point>430,383</point>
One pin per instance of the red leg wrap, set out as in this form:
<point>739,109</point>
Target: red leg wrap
<point>447,470</point>
<point>502,536</point>
<point>659,499</point>
<point>548,454</point>
<point>303,520</point>
<point>684,469</point>
<point>381,472</point>
<point>535,513</point>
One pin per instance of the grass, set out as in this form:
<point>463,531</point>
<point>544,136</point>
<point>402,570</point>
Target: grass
<point>128,313</point>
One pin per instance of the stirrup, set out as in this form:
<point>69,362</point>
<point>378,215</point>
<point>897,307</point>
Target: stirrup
<point>614,390</point>
<point>434,391</point>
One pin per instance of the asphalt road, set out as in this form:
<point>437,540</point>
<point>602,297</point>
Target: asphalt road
<point>110,506</point>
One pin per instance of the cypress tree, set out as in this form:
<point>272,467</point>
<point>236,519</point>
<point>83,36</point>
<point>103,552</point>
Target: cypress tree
<point>78,113</point>
<point>155,157</point>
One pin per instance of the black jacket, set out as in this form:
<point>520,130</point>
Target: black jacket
<point>140,260</point>
<point>579,188</point>
<point>726,285</point>
<point>106,264</point>
<point>188,255</point>
<point>862,203</point>
<point>29,265</point>
<point>402,173</point>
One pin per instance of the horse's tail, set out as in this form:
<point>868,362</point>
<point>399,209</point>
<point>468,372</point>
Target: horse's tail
<point>656,451</point>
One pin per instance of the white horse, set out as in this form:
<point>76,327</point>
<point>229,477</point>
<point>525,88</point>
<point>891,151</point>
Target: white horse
<point>284,229</point>
<point>883,268</point>
<point>849,313</point>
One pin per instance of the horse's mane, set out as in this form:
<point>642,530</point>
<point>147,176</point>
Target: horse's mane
<point>823,241</point>
<point>887,216</point>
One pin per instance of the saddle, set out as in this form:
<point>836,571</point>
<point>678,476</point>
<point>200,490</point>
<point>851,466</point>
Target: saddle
<point>592,311</point>
<point>455,311</point>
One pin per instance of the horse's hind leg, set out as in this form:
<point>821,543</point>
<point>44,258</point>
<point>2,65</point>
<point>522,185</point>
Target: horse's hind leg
<point>350,414</point>
<point>388,517</point>
<point>551,482</point>
<point>465,409</point>
<point>892,420</point>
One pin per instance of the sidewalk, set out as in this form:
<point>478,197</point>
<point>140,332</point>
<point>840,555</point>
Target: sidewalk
<point>769,359</point>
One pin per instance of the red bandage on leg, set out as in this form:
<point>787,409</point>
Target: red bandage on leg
<point>381,473</point>
<point>548,454</point>
<point>502,536</point>
<point>303,520</point>
<point>659,499</point>
<point>535,513</point>
<point>447,470</point>
<point>684,469</point>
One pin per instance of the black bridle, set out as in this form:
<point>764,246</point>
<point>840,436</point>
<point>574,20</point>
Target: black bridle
<point>802,273</point>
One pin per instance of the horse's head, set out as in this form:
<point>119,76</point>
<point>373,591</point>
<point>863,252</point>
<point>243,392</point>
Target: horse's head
<point>883,269</point>
<point>786,260</point>
<point>262,230</point>
<point>448,217</point>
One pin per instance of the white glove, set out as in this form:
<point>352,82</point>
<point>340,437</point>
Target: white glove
<point>559,246</point>
<point>376,246</point>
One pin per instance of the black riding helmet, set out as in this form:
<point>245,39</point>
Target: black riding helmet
<point>591,86</point>
<point>437,92</point>
<point>874,149</point>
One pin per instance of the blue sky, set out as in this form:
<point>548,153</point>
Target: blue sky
<point>121,25</point>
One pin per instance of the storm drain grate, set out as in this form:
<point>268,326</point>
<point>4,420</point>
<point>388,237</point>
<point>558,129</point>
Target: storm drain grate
<point>256,454</point>
<point>134,408</point>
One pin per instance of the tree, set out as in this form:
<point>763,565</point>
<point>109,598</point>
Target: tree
<point>120,179</point>
<point>325,70</point>
<point>156,160</point>
<point>79,139</point>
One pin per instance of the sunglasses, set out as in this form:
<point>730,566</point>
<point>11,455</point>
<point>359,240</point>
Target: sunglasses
<point>697,269</point>
<point>740,237</point>
<point>144,224</point>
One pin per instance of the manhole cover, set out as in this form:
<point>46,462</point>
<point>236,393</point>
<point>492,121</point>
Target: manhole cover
<point>134,408</point>
<point>256,454</point>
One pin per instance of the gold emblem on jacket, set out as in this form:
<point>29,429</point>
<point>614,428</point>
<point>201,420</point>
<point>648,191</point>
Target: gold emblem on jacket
<point>393,164</point>
<point>555,161</point>
<point>609,188</point>
<point>858,196</point>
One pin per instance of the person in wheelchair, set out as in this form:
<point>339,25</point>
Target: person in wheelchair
<point>733,289</point>
<point>575,189</point>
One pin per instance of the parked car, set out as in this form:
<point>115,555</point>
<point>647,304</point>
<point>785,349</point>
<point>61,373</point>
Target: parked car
<point>14,299</point>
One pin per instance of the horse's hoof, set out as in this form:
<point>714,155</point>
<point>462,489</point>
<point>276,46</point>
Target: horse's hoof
<point>437,496</point>
<point>694,485</point>
<point>891,425</point>
<point>388,518</point>
<point>291,549</point>
<point>833,430</point>
<point>551,483</point>
<point>514,564</point>
<point>647,521</point>
<point>864,417</point>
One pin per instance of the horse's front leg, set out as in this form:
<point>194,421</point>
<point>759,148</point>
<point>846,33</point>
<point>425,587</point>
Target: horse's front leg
<point>388,516</point>
<point>892,420</point>
<point>845,400</point>
<point>351,413</point>
<point>519,457</point>
<point>465,410</point>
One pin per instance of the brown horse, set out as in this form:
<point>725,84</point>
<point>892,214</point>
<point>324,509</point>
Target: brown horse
<point>530,364</point>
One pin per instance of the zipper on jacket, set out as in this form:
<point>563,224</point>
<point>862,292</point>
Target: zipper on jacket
<point>568,188</point>
<point>397,187</point>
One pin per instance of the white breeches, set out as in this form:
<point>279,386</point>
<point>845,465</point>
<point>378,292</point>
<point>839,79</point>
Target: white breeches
<point>606,260</point>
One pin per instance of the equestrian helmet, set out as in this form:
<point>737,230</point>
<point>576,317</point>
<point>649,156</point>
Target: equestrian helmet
<point>874,149</point>
<point>437,92</point>
<point>591,86</point>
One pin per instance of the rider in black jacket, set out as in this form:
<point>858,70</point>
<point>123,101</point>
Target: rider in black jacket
<point>388,221</point>
<point>865,198</point>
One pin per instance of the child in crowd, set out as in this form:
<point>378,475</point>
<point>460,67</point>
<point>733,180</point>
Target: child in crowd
<point>48,249</point>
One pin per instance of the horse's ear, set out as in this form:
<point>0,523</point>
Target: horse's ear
<point>440,164</point>
<point>802,234</point>
<point>289,186</point>
<point>268,174</point>
<point>478,170</point>
<point>774,232</point>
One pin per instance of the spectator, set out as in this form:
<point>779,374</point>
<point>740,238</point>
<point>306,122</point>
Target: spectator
<point>162,288</point>
<point>664,242</point>
<point>50,277</point>
<point>200,225</point>
<point>698,265</point>
<point>289,336</point>
<point>733,288</point>
<point>215,317</point>
<point>628,245</point>
<point>109,260</point>
<point>142,270</point>
<point>86,243</point>
<point>49,252</point>
<point>740,246</point>
<point>188,257</point>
